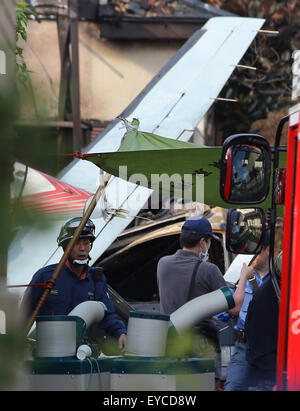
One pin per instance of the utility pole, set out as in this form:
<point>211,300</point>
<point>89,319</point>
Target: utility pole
<point>7,117</point>
<point>69,95</point>
<point>77,138</point>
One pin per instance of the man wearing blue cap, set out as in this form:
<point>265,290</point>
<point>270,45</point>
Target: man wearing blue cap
<point>175,272</point>
<point>187,274</point>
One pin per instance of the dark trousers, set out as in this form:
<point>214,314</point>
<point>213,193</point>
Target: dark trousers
<point>242,376</point>
<point>259,379</point>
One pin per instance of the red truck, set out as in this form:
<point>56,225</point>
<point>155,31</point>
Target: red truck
<point>249,168</point>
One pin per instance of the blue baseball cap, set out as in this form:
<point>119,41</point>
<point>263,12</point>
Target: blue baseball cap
<point>199,226</point>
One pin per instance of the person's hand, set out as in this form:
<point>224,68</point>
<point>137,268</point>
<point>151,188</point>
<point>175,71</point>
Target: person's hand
<point>122,342</point>
<point>247,272</point>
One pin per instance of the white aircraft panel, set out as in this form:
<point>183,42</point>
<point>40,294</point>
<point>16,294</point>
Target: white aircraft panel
<point>185,88</point>
<point>172,105</point>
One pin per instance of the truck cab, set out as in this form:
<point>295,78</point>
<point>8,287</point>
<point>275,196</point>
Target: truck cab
<point>263,183</point>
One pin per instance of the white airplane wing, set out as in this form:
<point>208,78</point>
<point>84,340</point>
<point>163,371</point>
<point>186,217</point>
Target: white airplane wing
<point>171,105</point>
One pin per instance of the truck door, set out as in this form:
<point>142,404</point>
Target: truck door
<point>288,358</point>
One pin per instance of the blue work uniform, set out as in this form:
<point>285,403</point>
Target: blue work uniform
<point>71,290</point>
<point>240,324</point>
<point>236,370</point>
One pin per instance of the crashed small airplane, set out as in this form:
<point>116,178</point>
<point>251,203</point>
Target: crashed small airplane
<point>171,105</point>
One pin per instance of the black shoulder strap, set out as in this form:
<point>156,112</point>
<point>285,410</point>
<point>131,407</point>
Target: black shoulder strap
<point>253,284</point>
<point>193,280</point>
<point>252,280</point>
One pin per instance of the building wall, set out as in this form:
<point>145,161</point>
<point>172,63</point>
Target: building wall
<point>112,73</point>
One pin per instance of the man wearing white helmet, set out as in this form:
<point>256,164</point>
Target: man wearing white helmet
<point>76,282</point>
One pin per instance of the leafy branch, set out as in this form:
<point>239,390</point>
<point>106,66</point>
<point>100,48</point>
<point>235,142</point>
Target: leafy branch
<point>22,11</point>
<point>266,90</point>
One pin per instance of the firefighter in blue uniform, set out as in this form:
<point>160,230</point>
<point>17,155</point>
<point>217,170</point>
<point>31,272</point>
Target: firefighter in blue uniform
<point>76,283</point>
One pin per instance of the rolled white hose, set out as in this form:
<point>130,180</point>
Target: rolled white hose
<point>147,334</point>
<point>201,308</point>
<point>56,336</point>
<point>89,311</point>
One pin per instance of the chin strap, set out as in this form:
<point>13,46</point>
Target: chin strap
<point>80,262</point>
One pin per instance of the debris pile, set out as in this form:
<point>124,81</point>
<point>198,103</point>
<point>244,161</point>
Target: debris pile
<point>150,8</point>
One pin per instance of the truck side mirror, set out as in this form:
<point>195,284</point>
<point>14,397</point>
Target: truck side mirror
<point>245,169</point>
<point>245,230</point>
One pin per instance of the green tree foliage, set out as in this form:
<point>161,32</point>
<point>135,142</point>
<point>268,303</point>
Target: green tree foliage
<point>22,11</point>
<point>269,87</point>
